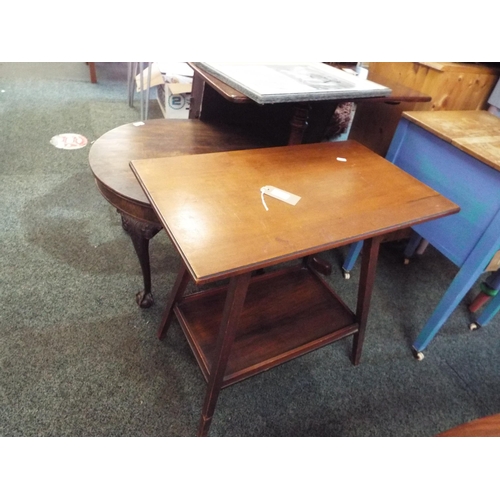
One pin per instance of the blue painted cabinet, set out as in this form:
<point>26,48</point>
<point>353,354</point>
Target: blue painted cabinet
<point>471,237</point>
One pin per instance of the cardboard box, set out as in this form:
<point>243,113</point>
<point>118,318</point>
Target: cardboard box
<point>174,99</point>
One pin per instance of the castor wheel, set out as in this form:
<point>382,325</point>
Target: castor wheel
<point>474,326</point>
<point>144,299</point>
<point>346,273</point>
<point>418,355</point>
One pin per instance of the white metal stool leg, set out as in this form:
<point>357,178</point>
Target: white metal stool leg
<point>146,95</point>
<point>145,91</point>
<point>132,71</point>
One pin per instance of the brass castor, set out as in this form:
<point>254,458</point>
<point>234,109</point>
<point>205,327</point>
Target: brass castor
<point>418,355</point>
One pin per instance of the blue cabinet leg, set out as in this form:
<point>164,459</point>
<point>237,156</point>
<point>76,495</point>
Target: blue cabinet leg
<point>468,274</point>
<point>492,308</point>
<point>350,260</point>
<point>461,284</point>
<point>412,245</point>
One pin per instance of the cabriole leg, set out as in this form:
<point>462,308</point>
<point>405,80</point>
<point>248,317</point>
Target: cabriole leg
<point>141,232</point>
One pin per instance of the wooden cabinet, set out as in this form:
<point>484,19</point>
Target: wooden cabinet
<point>452,86</point>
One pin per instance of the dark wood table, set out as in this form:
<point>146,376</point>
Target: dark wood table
<point>287,123</point>
<point>211,207</point>
<point>109,159</point>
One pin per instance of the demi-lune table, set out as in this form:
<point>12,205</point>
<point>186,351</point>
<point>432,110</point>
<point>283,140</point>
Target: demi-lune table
<point>109,159</point>
<point>214,211</point>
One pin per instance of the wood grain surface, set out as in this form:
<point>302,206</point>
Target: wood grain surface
<point>481,427</point>
<point>475,132</point>
<point>212,209</point>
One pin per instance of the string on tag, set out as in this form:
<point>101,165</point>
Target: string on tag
<point>262,198</point>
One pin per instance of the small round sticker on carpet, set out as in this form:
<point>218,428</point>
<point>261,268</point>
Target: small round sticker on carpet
<point>68,141</point>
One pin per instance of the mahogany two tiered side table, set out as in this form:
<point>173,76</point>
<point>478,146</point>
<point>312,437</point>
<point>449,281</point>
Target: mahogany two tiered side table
<point>213,209</point>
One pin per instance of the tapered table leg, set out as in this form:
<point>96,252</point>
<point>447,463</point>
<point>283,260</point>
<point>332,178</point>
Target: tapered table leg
<point>141,232</point>
<point>176,294</point>
<point>93,74</point>
<point>366,281</point>
<point>230,317</point>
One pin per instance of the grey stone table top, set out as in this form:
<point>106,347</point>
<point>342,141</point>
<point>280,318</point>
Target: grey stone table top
<point>293,82</point>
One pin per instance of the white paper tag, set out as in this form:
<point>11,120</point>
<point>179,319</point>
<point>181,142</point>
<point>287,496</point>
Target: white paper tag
<point>280,194</point>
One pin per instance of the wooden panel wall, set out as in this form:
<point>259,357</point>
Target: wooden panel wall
<point>452,86</point>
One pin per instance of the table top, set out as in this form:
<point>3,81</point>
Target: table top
<point>271,83</point>
<point>475,132</point>
<point>398,92</point>
<point>110,155</point>
<point>211,206</point>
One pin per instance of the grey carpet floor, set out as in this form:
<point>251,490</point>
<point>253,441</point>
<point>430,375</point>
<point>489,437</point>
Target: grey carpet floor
<point>79,358</point>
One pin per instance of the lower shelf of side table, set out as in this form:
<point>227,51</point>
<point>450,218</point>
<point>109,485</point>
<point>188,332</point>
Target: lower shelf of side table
<point>287,313</point>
